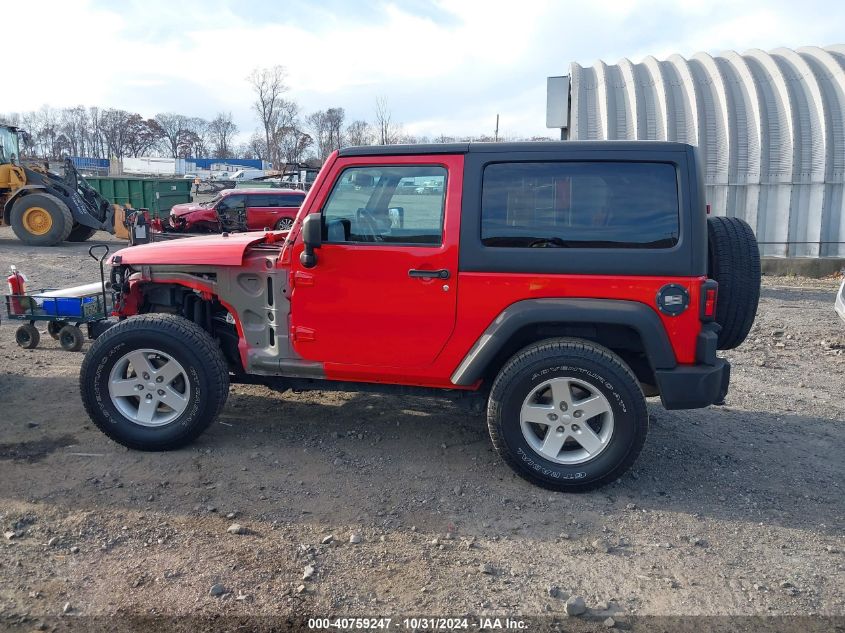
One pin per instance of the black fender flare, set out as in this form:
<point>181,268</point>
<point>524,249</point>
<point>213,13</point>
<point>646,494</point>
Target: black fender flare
<point>7,207</point>
<point>633,314</point>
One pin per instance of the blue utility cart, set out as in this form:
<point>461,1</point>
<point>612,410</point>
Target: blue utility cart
<point>64,310</point>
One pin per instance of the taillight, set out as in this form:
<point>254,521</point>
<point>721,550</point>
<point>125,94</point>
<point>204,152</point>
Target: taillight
<point>709,295</point>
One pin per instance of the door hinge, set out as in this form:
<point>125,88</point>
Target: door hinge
<point>303,334</point>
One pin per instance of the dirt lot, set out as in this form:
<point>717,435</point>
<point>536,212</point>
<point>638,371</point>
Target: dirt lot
<point>734,510</point>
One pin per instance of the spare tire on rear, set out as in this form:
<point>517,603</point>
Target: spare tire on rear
<point>734,262</point>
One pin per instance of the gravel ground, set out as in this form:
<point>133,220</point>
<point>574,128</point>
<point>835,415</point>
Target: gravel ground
<point>359,504</point>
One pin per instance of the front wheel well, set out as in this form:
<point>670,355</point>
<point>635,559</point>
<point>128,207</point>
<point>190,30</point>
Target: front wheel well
<point>209,314</point>
<point>623,340</point>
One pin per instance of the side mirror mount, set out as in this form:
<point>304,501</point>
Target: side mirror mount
<point>311,238</point>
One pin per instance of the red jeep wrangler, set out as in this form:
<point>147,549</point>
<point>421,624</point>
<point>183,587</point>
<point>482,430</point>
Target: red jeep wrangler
<point>559,283</point>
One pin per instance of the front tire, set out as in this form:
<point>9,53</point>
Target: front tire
<point>567,414</point>
<point>27,336</point>
<point>41,219</point>
<point>154,382</point>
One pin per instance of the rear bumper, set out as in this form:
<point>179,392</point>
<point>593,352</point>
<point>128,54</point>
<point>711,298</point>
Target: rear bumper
<point>694,386</point>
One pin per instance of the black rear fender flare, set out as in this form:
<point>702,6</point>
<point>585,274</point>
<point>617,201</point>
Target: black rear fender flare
<point>637,316</point>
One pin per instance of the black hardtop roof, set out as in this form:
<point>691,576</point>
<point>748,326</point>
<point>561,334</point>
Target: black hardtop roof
<point>536,146</point>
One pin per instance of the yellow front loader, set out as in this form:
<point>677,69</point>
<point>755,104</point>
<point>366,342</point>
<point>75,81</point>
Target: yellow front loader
<point>44,208</point>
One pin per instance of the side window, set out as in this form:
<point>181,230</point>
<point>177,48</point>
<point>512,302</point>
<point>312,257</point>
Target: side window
<point>290,200</point>
<point>231,202</point>
<point>260,200</point>
<point>572,204</point>
<point>398,204</point>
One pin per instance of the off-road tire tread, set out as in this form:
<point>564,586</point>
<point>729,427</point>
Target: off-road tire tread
<point>30,240</point>
<point>32,332</point>
<point>734,261</point>
<point>547,350</point>
<point>187,332</point>
<point>81,233</point>
<point>78,338</point>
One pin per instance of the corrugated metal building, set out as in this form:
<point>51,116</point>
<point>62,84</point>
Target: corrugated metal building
<point>770,128</point>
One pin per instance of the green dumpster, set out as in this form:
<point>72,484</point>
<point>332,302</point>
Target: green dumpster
<point>156,194</point>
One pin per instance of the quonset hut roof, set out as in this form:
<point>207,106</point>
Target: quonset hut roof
<point>770,127</point>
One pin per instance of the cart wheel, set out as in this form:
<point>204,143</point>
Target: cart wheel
<point>54,327</point>
<point>71,338</point>
<point>27,336</point>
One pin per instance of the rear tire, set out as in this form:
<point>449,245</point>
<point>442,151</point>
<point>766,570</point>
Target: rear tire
<point>27,336</point>
<point>41,219</point>
<point>284,224</point>
<point>71,338</point>
<point>734,262</point>
<point>591,417</point>
<point>81,233</point>
<point>181,373</point>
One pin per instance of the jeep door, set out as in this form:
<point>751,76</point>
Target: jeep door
<point>383,291</point>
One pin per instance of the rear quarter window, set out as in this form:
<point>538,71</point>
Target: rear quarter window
<point>580,204</point>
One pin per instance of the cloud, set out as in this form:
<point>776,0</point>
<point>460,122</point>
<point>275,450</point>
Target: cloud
<point>447,66</point>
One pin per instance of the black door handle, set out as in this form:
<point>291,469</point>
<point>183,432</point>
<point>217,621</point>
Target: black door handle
<point>429,274</point>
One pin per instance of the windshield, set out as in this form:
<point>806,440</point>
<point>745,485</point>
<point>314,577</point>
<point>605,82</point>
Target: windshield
<point>8,145</point>
<point>211,203</point>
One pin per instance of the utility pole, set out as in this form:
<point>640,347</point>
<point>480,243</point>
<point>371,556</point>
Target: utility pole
<point>496,135</point>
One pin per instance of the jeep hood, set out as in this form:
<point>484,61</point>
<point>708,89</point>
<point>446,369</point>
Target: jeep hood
<point>211,250</point>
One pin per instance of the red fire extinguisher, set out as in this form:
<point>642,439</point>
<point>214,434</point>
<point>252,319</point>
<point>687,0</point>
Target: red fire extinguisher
<point>17,289</point>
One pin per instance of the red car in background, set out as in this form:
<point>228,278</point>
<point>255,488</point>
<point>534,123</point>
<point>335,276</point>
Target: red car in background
<point>238,210</point>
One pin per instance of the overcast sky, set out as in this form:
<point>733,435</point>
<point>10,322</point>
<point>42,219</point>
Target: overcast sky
<point>444,66</point>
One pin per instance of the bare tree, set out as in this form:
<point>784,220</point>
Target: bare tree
<point>359,133</point>
<point>223,130</point>
<point>258,146</point>
<point>327,130</point>
<point>269,86</point>
<point>386,131</point>
<point>45,132</point>
<point>200,137</point>
<point>115,129</point>
<point>95,134</point>
<point>74,125</point>
<point>292,143</point>
<point>243,150</point>
<point>174,127</point>
<point>334,127</point>
<point>318,123</point>
<point>286,132</point>
<point>142,135</point>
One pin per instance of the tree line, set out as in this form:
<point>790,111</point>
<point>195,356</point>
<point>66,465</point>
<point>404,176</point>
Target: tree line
<point>286,135</point>
<point>113,133</point>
